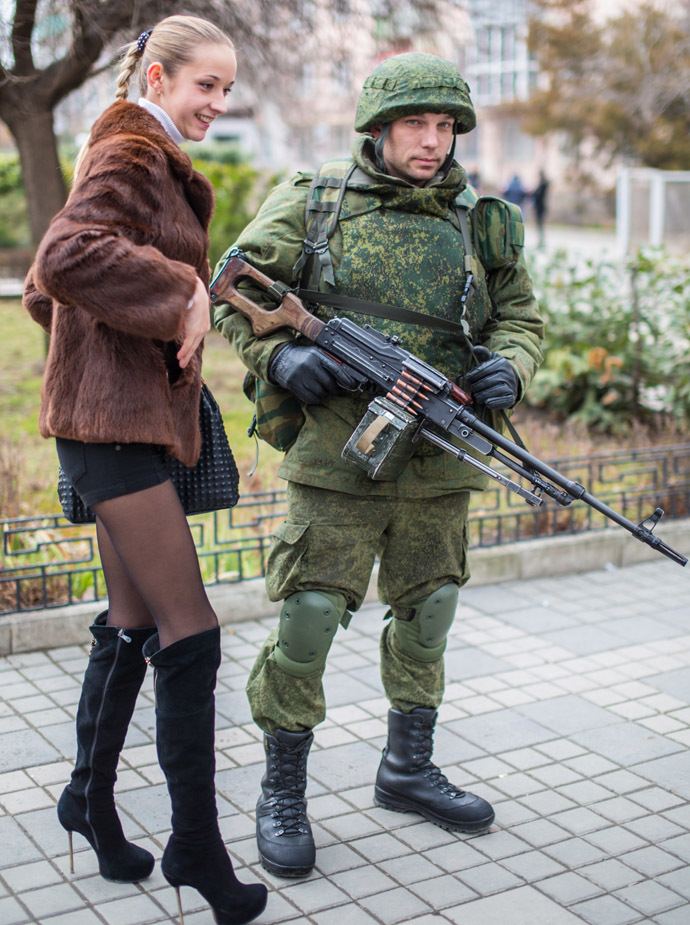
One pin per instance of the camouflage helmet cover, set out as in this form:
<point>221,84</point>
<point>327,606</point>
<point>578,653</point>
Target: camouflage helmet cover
<point>414,82</point>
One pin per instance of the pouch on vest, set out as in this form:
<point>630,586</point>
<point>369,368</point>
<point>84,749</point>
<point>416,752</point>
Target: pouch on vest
<point>498,232</point>
<point>278,415</point>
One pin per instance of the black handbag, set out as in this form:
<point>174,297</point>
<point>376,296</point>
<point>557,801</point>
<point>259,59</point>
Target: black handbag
<point>211,485</point>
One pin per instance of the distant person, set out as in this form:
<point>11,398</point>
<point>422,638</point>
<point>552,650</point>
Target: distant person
<point>120,282</point>
<point>539,200</point>
<point>474,179</point>
<point>515,191</point>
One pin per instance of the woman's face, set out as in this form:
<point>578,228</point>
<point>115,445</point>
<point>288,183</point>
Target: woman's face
<point>197,93</point>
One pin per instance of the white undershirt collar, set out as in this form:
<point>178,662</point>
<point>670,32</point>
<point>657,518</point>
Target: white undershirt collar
<point>163,118</point>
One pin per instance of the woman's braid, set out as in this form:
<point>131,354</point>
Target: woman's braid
<point>130,63</point>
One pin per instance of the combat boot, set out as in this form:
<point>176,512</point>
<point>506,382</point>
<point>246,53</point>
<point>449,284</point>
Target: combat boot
<point>407,780</point>
<point>283,833</point>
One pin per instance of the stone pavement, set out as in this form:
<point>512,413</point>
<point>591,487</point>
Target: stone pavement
<point>568,706</point>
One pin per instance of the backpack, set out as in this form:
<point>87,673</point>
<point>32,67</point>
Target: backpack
<point>491,227</point>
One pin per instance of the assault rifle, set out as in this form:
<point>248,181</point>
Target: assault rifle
<point>415,395</point>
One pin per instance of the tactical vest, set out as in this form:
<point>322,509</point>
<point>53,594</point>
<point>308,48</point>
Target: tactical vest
<point>490,227</point>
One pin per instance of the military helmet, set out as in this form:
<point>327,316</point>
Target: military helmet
<point>414,82</point>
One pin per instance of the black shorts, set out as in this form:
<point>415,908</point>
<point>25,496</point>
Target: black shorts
<point>100,471</point>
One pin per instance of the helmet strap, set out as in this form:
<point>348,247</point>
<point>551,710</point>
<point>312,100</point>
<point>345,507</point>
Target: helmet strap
<point>378,148</point>
<point>448,163</point>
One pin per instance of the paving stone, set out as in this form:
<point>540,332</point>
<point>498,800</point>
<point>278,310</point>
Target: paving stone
<point>678,880</point>
<point>610,875</point>
<point>569,888</point>
<point>380,847</point>
<point>606,910</point>
<point>522,906</point>
<point>442,892</point>
<point>575,852</point>
<point>579,821</point>
<point>532,866</point>
<point>488,878</point>
<point>652,861</point>
<point>350,914</point>
<point>649,897</point>
<point>540,832</point>
<point>395,906</point>
<point>58,897</point>
<point>365,881</point>
<point>619,809</point>
<point>678,916</point>
<point>11,912</point>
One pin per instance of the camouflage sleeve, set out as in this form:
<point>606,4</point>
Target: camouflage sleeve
<point>515,329</point>
<point>272,242</point>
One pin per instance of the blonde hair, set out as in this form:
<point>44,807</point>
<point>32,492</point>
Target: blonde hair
<point>172,42</point>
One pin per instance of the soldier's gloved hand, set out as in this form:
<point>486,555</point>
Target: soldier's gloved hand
<point>494,383</point>
<point>308,373</point>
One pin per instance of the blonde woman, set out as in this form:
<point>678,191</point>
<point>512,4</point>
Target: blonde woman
<point>120,283</point>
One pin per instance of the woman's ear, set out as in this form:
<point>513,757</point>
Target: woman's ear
<point>154,76</point>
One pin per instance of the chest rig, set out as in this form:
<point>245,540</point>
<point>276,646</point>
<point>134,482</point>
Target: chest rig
<point>491,229</point>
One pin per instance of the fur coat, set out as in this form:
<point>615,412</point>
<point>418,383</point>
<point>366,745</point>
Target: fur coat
<point>111,282</point>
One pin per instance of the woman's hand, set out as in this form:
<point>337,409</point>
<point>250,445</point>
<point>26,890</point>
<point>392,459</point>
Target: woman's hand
<point>197,323</point>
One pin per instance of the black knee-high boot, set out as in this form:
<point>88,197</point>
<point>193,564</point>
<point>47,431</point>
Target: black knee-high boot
<point>112,680</point>
<point>195,855</point>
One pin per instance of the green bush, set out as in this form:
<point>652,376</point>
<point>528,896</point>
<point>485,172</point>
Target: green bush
<point>240,189</point>
<point>617,340</point>
<point>14,219</point>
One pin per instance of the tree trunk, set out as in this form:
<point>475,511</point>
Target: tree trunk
<point>43,182</point>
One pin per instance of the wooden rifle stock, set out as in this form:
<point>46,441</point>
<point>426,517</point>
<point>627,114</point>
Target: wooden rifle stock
<point>290,313</point>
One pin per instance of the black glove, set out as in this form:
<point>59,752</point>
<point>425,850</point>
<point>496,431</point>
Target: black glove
<point>308,373</point>
<point>494,383</point>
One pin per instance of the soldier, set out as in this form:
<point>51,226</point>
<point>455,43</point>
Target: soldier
<point>397,238</point>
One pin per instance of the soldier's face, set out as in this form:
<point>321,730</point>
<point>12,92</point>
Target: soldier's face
<point>416,146</point>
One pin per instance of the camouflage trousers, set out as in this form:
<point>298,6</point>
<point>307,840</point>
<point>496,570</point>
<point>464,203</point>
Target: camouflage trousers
<point>329,542</point>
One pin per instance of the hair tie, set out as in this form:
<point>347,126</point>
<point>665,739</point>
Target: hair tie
<point>142,40</point>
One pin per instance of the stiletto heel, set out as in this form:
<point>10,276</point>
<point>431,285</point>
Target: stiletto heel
<point>71,852</point>
<point>179,904</point>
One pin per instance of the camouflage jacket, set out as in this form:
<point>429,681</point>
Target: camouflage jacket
<point>398,244</point>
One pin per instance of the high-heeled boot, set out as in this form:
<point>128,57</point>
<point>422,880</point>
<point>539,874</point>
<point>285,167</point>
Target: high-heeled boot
<point>112,681</point>
<point>184,682</point>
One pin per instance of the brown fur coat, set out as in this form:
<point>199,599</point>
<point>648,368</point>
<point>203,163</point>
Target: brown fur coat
<point>111,282</point>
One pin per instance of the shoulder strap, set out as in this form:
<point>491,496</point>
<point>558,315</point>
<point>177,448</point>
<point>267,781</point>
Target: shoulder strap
<point>324,202</point>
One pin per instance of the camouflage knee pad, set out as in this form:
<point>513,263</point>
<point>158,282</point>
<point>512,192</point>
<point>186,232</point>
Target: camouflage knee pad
<point>424,636</point>
<point>307,625</point>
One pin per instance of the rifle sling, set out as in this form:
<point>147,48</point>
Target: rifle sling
<point>378,309</point>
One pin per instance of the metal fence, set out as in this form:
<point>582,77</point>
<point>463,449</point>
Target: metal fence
<point>48,562</point>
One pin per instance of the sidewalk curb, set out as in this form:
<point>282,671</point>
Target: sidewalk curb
<point>34,630</point>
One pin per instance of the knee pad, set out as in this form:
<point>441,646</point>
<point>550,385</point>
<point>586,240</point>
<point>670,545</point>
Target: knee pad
<point>424,636</point>
<point>307,625</point>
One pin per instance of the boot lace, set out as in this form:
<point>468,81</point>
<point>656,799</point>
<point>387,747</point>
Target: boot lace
<point>288,778</point>
<point>424,745</point>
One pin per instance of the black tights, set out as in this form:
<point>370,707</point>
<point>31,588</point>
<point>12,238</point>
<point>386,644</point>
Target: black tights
<point>151,565</point>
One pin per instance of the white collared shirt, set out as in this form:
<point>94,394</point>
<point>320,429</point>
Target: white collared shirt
<point>163,118</point>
